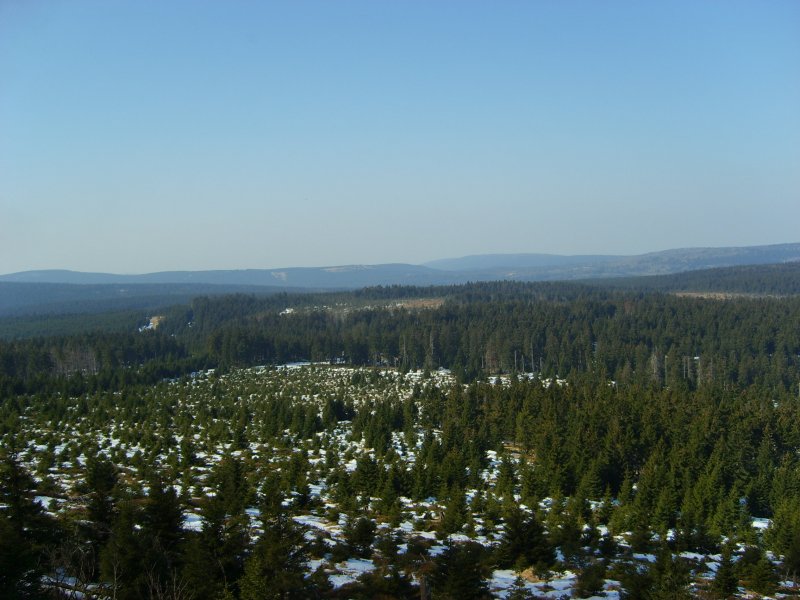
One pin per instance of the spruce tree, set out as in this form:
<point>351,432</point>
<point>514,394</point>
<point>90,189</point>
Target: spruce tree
<point>524,542</point>
<point>590,580</point>
<point>670,577</point>
<point>460,573</point>
<point>276,568</point>
<point>519,591</point>
<point>725,581</point>
<point>24,531</point>
<point>122,559</point>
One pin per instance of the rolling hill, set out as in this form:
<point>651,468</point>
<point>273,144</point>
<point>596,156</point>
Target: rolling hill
<point>63,291</point>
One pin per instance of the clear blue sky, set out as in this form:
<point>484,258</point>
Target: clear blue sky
<point>144,135</point>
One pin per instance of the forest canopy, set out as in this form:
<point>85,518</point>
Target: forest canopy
<point>486,429</point>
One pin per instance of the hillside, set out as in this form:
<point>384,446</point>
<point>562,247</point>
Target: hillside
<point>25,298</point>
<point>28,309</point>
<point>763,280</point>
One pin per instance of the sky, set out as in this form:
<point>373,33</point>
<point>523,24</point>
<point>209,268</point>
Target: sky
<point>142,135</point>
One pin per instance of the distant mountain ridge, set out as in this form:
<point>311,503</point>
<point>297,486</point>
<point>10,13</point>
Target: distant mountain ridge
<point>486,267</point>
<point>651,263</point>
<point>477,262</point>
<point>333,277</point>
<point>70,292</point>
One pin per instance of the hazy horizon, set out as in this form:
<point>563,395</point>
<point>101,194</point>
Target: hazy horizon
<point>428,263</point>
<point>178,135</point>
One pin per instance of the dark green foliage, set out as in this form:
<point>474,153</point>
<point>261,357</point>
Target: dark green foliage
<point>783,536</point>
<point>725,581</point>
<point>524,542</point>
<point>506,478</point>
<point>460,573</point>
<point>590,580</point>
<point>681,412</point>
<point>25,531</point>
<point>101,478</point>
<point>564,527</point>
<point>270,498</point>
<point>756,571</point>
<point>20,571</point>
<point>232,491</point>
<point>123,560</point>
<point>161,533</point>
<point>637,581</point>
<point>359,534</point>
<point>480,328</point>
<point>670,577</point>
<point>276,567</point>
<point>57,319</point>
<point>23,514</point>
<point>215,557</point>
<point>777,279</point>
<point>455,512</point>
<point>791,558</point>
<point>667,578</point>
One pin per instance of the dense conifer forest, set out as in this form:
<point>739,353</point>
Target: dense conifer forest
<point>488,440</point>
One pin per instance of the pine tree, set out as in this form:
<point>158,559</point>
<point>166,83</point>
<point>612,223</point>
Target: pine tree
<point>162,532</point>
<point>224,537</point>
<point>761,576</point>
<point>20,573</point>
<point>725,581</point>
<point>101,477</point>
<point>783,535</point>
<point>455,512</point>
<point>791,558</point>
<point>519,591</point>
<point>670,577</point>
<point>201,571</point>
<point>524,542</point>
<point>122,558</point>
<point>590,580</point>
<point>276,568</point>
<point>359,534</point>
<point>24,530</point>
<point>460,573</point>
<point>637,584</point>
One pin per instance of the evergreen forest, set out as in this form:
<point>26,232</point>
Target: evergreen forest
<point>503,439</point>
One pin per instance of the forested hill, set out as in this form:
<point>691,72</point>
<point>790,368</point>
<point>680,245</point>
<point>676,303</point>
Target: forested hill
<point>554,266</point>
<point>475,330</point>
<point>41,309</point>
<point>764,280</point>
<point>489,267</point>
<point>36,298</point>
